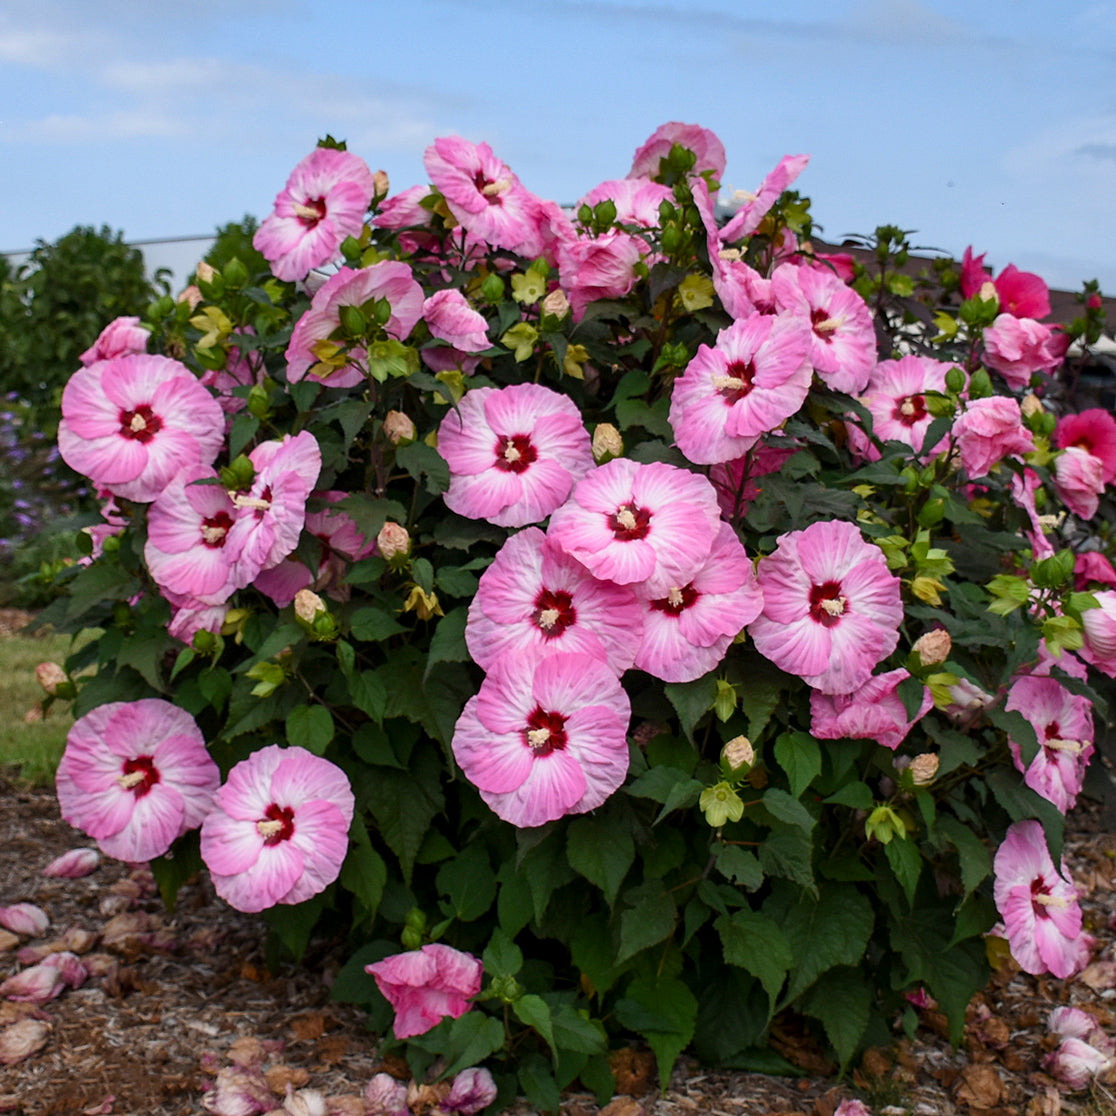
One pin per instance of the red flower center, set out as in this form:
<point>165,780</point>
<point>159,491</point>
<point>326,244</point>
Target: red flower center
<point>736,382</point>
<point>215,529</point>
<point>515,454</point>
<point>140,425</point>
<point>630,522</point>
<point>909,410</point>
<point>1039,887</point>
<point>139,775</point>
<point>554,612</point>
<point>310,212</point>
<point>276,825</point>
<point>677,600</point>
<point>545,732</point>
<point>491,190</point>
<point>822,324</point>
<point>827,605</point>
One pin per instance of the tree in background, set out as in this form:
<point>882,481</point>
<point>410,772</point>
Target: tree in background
<point>234,241</point>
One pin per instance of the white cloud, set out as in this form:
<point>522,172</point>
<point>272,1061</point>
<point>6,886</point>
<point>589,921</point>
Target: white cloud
<point>905,21</point>
<point>60,128</point>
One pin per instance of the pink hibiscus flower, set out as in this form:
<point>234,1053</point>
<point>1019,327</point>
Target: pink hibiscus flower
<point>405,211</point>
<point>988,431</point>
<point>545,736</point>
<point>1039,906</point>
<point>1022,293</point>
<point>135,776</point>
<point>131,423</point>
<point>627,523</point>
<point>121,337</point>
<point>270,515</point>
<point>896,397</point>
<point>188,528</point>
<point>701,141</point>
<point>687,631</point>
<point>1023,489</point>
<point>1019,347</point>
<point>748,217</point>
<point>596,267</point>
<point>324,201</point>
<point>1092,567</point>
<point>1100,633</point>
<point>426,985</point>
<point>513,453</point>
<point>1093,430</point>
<point>755,377</point>
<point>873,712</point>
<point>535,598</point>
<point>1079,479</point>
<point>637,201</point>
<point>842,334</point>
<point>388,279</point>
<point>450,318</point>
<point>278,831</point>
<point>1063,723</point>
<point>831,607</point>
<point>484,195</point>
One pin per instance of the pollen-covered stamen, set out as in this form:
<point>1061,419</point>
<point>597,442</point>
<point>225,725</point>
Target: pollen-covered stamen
<point>276,825</point>
<point>910,409</point>
<point>630,522</point>
<point>827,605</point>
<point>553,612</point>
<point>548,617</point>
<point>823,325</point>
<point>545,732</point>
<point>215,528</point>
<point>310,212</point>
<point>1046,900</point>
<point>243,501</point>
<point>515,453</point>
<point>139,775</point>
<point>141,424</point>
<point>1055,744</point>
<point>500,186</point>
<point>735,382</point>
<point>677,600</point>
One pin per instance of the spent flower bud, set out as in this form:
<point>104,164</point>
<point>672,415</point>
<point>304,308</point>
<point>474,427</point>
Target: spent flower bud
<point>308,606</point>
<point>738,755</point>
<point>74,864</point>
<point>933,647</point>
<point>607,443</point>
<point>22,1039</point>
<point>556,303</point>
<point>924,768</point>
<point>398,428</point>
<point>52,678</point>
<point>24,918</point>
<point>394,543</point>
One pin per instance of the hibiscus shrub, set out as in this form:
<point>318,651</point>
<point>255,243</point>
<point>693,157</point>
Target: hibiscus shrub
<point>603,616</point>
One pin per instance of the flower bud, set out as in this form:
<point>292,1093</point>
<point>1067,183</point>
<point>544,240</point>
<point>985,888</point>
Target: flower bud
<point>738,754</point>
<point>308,606</point>
<point>51,676</point>
<point>933,647</point>
<point>73,865</point>
<point>988,292</point>
<point>24,918</point>
<point>191,296</point>
<point>205,272</point>
<point>607,443</point>
<point>398,428</point>
<point>1030,405</point>
<point>556,303</point>
<point>22,1039</point>
<point>923,768</point>
<point>380,183</point>
<point>393,541</point>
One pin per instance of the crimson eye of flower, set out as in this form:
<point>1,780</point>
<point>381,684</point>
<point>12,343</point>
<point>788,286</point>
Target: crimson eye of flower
<point>1053,730</point>
<point>823,325</point>
<point>545,732</point>
<point>215,528</point>
<point>630,522</point>
<point>327,549</point>
<point>910,409</point>
<point>736,381</point>
<point>140,425</point>
<point>827,605</point>
<point>554,612</point>
<point>515,454</point>
<point>677,600</point>
<point>310,212</point>
<point>139,775</point>
<point>276,825</point>
<point>489,189</point>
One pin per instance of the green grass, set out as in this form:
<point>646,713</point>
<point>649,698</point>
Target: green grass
<point>30,752</point>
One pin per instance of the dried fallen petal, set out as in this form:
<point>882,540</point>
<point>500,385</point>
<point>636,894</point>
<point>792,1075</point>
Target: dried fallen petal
<point>24,918</point>
<point>8,941</point>
<point>22,1039</point>
<point>35,985</point>
<point>70,966</point>
<point>74,864</point>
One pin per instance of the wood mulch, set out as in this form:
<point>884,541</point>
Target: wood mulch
<point>177,997</point>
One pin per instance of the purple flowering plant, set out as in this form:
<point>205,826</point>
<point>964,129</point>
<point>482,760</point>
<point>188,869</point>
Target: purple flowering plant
<point>616,620</point>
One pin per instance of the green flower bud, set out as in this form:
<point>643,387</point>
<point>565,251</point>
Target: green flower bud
<point>492,288</point>
<point>721,804</point>
<point>955,380</point>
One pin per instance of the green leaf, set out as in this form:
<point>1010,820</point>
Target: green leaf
<point>1021,802</point>
<point>405,803</point>
<point>833,929</point>
<point>649,919</point>
<point>755,943</point>
<point>370,625</point>
<point>903,856</point>
<point>739,865</point>
<point>473,1037</point>
<point>177,866</point>
<point>972,854</point>
<point>663,1011</point>
<point>534,1011</point>
<point>593,951</point>
<point>759,693</point>
<point>781,805</point>
<point>692,700</point>
<point>310,727</point>
<point>855,795</point>
<point>293,924</point>
<point>216,685</point>
<point>447,645</point>
<point>601,851</point>
<point>364,872</point>
<point>842,1001</point>
<point>799,755</point>
<point>538,1084</point>
<point>502,957</point>
<point>456,582</point>
<point>418,458</point>
<point>788,854</point>
<point>660,784</point>
<point>469,882</point>
<point>573,1031</point>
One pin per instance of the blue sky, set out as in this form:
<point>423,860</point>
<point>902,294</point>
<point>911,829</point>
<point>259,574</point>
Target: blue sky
<point>991,123</point>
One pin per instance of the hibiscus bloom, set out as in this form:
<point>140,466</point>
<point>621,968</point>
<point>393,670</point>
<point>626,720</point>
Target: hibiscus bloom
<point>988,431</point>
<point>596,267</point>
<point>756,376</point>
<point>1063,723</point>
<point>121,337</point>
<point>1100,633</point>
<point>426,985</point>
<point>1019,347</point>
<point>687,630</point>
<point>1079,479</point>
<point>707,148</point>
<point>324,201</point>
<point>1039,906</point>
<point>628,523</point>
<point>135,776</point>
<point>390,280</point>
<point>1023,489</point>
<point>637,201</point>
<point>1093,430</point>
<point>545,736</point>
<point>896,396</point>
<point>1091,566</point>
<point>874,711</point>
<point>278,831</point>
<point>513,453</point>
<point>131,423</point>
<point>831,607</point>
<point>535,598</point>
<point>756,206</point>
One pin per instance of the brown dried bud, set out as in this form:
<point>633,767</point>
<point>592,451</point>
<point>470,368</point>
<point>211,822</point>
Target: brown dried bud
<point>308,605</point>
<point>607,443</point>
<point>933,647</point>
<point>738,753</point>
<point>50,676</point>
<point>399,428</point>
<point>393,541</point>
<point>556,303</point>
<point>380,183</point>
<point>924,768</point>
